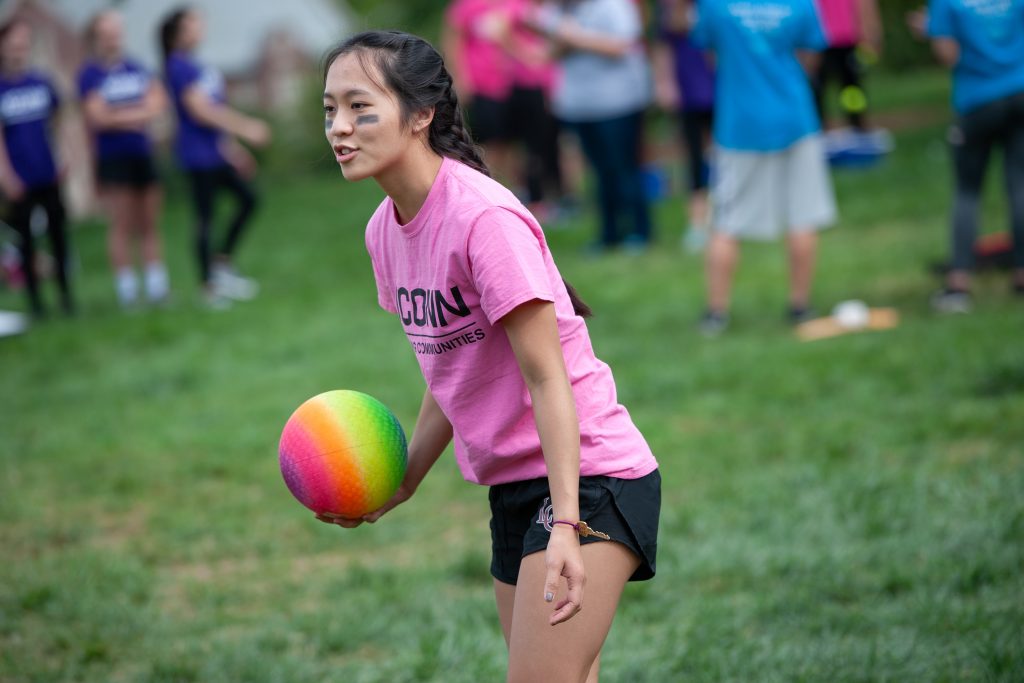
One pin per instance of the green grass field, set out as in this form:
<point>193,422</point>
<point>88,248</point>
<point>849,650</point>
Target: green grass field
<point>845,510</point>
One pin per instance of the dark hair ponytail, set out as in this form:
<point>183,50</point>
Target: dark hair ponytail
<point>415,73</point>
<point>169,29</point>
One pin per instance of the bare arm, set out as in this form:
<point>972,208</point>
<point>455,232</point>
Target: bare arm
<point>809,60</point>
<point>570,36</point>
<point>432,435</point>
<point>10,182</point>
<point>871,25</point>
<point>533,333</point>
<point>224,118</point>
<point>102,116</point>
<point>666,91</point>
<point>946,50</point>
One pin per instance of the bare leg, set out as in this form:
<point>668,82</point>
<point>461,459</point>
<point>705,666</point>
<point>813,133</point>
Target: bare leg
<point>119,205</point>
<point>121,214</point>
<point>699,209</point>
<point>723,254</point>
<point>569,652</point>
<point>803,246</point>
<point>148,204</point>
<point>505,594</point>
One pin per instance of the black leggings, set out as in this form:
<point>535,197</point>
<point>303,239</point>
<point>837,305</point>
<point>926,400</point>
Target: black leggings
<point>841,63</point>
<point>998,123</point>
<point>696,126</point>
<point>205,185</point>
<point>20,218</point>
<point>531,122</point>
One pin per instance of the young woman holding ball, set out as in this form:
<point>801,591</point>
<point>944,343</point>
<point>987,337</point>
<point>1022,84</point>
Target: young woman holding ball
<point>511,375</point>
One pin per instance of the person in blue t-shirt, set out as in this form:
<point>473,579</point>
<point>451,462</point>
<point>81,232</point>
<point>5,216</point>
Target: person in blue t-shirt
<point>28,171</point>
<point>770,170</point>
<point>983,41</point>
<point>120,99</point>
<point>208,149</point>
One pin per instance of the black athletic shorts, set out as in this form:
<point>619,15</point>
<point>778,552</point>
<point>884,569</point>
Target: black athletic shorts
<point>136,171</point>
<point>488,119</point>
<point>625,509</point>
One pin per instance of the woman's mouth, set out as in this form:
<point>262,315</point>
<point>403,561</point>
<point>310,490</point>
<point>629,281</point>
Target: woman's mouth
<point>344,153</point>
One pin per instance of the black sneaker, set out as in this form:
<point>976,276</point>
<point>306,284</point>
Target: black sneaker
<point>800,314</point>
<point>713,324</point>
<point>952,301</point>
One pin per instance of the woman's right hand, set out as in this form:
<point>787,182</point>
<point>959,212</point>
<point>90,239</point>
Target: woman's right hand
<point>12,187</point>
<point>256,133</point>
<point>403,494</point>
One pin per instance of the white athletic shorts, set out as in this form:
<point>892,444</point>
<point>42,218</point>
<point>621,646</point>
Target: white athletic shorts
<point>758,195</point>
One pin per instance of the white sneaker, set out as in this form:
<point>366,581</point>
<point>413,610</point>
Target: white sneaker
<point>228,283</point>
<point>215,301</point>
<point>695,239</point>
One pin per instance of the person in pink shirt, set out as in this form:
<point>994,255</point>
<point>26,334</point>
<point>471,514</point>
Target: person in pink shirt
<point>848,25</point>
<point>511,374</point>
<point>475,37</point>
<point>534,76</point>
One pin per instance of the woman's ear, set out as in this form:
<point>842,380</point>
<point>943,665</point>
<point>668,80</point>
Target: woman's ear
<point>421,120</point>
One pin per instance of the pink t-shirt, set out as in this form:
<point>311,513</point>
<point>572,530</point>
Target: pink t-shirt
<point>471,255</point>
<point>841,21</point>
<point>487,66</point>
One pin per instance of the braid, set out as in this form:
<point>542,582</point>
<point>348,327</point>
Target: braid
<point>449,135</point>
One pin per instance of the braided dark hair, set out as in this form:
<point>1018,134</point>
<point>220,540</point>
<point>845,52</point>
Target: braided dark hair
<point>415,73</point>
<point>170,27</point>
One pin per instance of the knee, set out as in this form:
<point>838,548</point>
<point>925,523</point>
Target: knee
<point>532,672</point>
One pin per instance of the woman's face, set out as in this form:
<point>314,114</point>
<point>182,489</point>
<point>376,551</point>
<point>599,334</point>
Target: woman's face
<point>190,32</point>
<point>363,122</point>
<point>16,48</point>
<point>108,35</point>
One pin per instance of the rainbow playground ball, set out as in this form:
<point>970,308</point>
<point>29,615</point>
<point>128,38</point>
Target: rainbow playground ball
<point>342,452</point>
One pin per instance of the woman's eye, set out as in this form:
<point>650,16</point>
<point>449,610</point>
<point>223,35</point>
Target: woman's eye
<point>328,110</point>
<point>358,105</point>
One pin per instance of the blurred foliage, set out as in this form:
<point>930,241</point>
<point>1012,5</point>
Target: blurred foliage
<point>902,49</point>
<point>422,17</point>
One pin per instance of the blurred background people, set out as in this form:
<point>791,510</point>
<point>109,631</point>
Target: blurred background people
<point>476,41</point>
<point>603,92</point>
<point>29,175</point>
<point>983,42</point>
<point>770,171</point>
<point>119,100</point>
<point>531,122</point>
<point>208,150</point>
<point>851,27</point>
<point>689,88</point>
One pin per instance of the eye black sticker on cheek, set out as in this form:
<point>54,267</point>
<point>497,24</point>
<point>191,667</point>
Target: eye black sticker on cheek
<point>367,119</point>
<point>327,124</point>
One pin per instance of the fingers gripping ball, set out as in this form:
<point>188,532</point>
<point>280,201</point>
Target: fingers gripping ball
<point>343,452</point>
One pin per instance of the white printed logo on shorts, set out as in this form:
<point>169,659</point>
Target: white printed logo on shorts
<point>546,515</point>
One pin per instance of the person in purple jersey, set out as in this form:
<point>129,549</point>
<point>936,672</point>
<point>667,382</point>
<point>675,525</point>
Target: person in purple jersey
<point>120,99</point>
<point>207,148</point>
<point>28,172</point>
<point>691,90</point>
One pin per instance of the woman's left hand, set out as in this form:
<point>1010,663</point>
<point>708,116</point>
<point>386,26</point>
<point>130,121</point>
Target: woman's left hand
<point>564,559</point>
